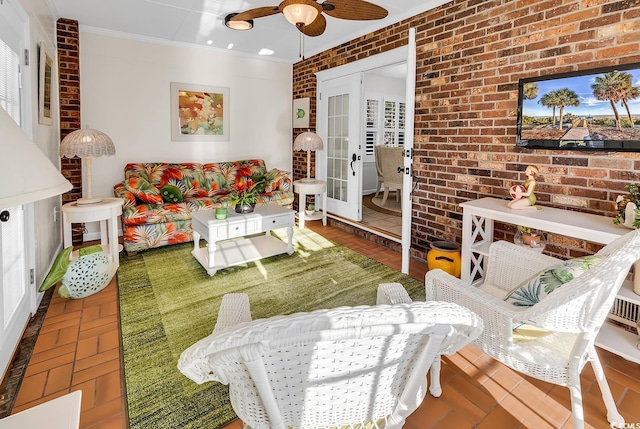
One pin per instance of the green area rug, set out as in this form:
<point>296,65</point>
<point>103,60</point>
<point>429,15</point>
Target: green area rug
<point>168,302</point>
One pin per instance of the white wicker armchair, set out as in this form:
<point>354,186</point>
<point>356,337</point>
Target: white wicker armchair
<point>339,368</point>
<point>571,316</point>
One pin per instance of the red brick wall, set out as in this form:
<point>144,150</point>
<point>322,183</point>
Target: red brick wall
<point>470,56</point>
<point>69,81</point>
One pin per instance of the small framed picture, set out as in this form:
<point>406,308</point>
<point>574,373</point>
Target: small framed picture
<point>301,113</point>
<point>45,79</point>
<point>199,112</point>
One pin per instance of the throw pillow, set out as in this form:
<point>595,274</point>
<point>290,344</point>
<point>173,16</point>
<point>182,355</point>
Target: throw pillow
<point>274,179</point>
<point>537,287</point>
<point>143,190</point>
<point>171,194</point>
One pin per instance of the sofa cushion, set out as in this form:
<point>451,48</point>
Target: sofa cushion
<point>189,177</point>
<point>143,190</point>
<point>171,194</point>
<point>538,286</point>
<point>224,174</point>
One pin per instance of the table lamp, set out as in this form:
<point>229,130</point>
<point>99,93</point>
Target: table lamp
<point>310,142</point>
<point>85,143</point>
<point>29,175</point>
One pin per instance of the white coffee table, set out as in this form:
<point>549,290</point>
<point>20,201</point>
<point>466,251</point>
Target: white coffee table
<point>240,238</point>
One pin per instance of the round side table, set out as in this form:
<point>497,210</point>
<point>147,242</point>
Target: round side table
<point>106,212</point>
<point>306,187</point>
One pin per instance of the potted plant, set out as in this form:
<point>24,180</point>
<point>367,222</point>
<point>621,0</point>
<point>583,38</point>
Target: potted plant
<point>311,209</point>
<point>245,193</point>
<point>528,236</point>
<point>628,207</point>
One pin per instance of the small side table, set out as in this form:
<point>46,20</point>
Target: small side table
<point>106,212</point>
<point>310,187</point>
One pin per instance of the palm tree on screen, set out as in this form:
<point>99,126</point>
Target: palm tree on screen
<point>608,87</point>
<point>548,100</point>
<point>628,92</point>
<point>566,97</point>
<point>530,90</point>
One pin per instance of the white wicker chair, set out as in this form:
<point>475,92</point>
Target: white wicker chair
<point>573,315</point>
<point>339,368</point>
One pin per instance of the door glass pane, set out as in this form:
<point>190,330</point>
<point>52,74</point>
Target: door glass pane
<point>338,148</point>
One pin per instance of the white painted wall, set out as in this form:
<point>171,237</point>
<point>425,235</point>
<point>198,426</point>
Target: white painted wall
<point>124,90</point>
<point>387,86</point>
<point>48,233</point>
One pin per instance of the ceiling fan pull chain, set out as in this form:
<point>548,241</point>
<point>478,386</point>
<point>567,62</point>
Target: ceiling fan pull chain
<point>301,50</point>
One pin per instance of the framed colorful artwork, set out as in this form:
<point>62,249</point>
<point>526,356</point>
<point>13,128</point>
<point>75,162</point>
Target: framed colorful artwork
<point>45,76</point>
<point>199,112</point>
<point>301,113</point>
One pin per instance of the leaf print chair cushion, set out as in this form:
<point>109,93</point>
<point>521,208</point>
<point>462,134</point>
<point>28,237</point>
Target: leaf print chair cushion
<point>571,314</point>
<point>537,287</point>
<point>160,197</point>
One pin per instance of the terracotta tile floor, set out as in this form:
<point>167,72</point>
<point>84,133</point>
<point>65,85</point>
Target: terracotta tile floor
<point>78,348</point>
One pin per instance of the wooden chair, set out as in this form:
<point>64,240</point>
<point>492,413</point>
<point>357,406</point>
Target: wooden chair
<point>390,160</point>
<point>342,367</point>
<point>377,156</point>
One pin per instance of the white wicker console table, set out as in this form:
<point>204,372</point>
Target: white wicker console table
<point>477,235</point>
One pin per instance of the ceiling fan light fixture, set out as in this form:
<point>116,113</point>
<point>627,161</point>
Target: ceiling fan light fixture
<point>300,12</point>
<point>238,25</point>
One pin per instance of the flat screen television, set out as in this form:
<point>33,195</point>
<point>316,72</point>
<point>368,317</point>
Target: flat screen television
<point>596,109</point>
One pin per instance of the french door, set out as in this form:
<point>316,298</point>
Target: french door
<point>340,163</point>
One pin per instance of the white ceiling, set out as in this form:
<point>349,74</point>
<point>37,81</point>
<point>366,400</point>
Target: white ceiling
<point>198,21</point>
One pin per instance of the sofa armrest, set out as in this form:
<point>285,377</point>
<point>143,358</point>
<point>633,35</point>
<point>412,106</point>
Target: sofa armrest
<point>277,180</point>
<point>121,192</point>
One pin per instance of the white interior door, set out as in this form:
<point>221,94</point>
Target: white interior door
<point>340,163</point>
<point>13,284</point>
<point>16,290</point>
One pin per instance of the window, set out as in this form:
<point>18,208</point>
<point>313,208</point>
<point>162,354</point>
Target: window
<point>10,81</point>
<point>383,126</point>
<point>12,25</point>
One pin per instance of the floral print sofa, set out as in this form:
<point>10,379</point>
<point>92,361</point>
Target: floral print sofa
<point>160,197</point>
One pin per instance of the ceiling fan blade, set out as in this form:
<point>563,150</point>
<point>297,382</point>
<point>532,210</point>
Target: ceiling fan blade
<point>354,9</point>
<point>258,12</point>
<point>316,28</point>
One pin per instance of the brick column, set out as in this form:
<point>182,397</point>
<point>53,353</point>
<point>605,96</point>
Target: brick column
<point>68,37</point>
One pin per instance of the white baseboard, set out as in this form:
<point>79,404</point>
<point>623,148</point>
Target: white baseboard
<point>95,236</point>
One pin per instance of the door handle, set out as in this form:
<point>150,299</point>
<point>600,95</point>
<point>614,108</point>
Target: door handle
<point>354,158</point>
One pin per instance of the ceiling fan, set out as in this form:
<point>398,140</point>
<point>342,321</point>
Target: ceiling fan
<point>307,15</point>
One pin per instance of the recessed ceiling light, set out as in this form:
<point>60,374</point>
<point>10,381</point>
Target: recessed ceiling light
<point>265,51</point>
<point>230,46</point>
<point>209,42</point>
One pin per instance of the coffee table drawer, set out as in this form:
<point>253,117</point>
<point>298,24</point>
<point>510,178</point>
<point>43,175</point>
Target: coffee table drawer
<point>277,222</point>
<point>234,229</point>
